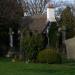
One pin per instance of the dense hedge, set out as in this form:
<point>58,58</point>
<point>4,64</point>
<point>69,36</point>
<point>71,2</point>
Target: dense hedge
<point>48,56</point>
<point>31,44</point>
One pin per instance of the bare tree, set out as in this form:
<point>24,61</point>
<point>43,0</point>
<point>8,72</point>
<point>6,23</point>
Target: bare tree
<point>34,7</point>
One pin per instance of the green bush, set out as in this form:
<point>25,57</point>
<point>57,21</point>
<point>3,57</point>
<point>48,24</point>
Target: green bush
<point>31,44</point>
<point>48,56</point>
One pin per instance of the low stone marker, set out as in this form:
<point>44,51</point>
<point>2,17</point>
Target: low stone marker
<point>70,46</point>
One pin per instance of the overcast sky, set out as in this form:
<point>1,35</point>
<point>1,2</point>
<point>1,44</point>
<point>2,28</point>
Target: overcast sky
<point>68,1</point>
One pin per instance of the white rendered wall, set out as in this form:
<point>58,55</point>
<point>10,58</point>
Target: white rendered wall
<point>25,14</point>
<point>51,15</point>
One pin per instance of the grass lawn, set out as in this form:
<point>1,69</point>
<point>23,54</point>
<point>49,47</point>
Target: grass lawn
<point>20,68</point>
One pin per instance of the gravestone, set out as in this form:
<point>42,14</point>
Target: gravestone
<point>70,46</point>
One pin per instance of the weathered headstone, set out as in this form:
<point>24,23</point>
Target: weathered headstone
<point>70,46</point>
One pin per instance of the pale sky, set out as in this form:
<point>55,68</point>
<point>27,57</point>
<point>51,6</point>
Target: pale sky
<point>69,1</point>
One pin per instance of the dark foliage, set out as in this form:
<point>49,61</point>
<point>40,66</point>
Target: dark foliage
<point>49,56</point>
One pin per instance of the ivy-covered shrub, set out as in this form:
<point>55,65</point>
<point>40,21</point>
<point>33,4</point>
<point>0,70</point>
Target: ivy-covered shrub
<point>48,56</point>
<point>31,44</point>
<point>53,38</point>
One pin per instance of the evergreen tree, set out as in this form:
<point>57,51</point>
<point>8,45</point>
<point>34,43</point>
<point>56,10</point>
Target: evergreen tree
<point>10,12</point>
<point>67,20</point>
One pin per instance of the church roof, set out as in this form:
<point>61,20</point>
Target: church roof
<point>35,23</point>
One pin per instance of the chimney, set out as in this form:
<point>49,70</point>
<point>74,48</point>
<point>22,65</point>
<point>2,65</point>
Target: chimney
<point>51,13</point>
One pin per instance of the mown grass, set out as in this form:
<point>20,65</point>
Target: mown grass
<point>20,68</point>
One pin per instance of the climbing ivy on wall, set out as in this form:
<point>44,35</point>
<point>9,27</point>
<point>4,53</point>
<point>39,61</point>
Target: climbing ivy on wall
<point>53,38</point>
